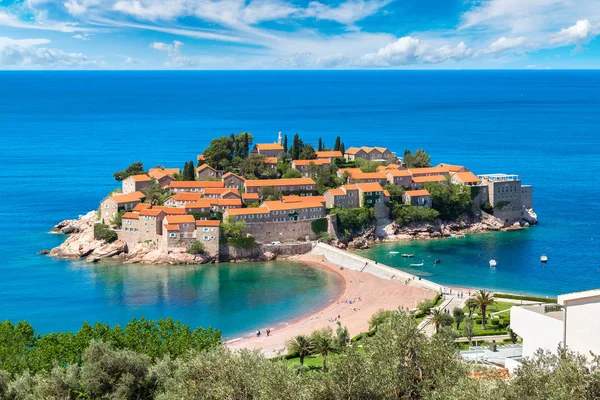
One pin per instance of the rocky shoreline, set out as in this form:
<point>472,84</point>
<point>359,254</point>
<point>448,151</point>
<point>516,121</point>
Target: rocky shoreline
<point>81,245</point>
<point>392,232</point>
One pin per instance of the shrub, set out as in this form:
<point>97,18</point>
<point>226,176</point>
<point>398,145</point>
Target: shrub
<point>242,242</point>
<point>529,298</point>
<point>319,226</point>
<point>354,219</point>
<point>407,214</point>
<point>196,247</point>
<point>326,237</point>
<point>118,218</point>
<point>488,208</point>
<point>103,232</point>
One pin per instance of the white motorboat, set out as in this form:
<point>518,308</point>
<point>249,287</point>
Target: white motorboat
<point>393,252</point>
<point>544,258</point>
<point>417,265</point>
<point>408,255</point>
<point>493,263</point>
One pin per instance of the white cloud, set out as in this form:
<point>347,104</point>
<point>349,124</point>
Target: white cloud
<point>346,13</point>
<point>503,45</point>
<point>151,9</point>
<point>176,59</point>
<point>171,49</point>
<point>580,33</point>
<point>27,53</point>
<point>131,61</point>
<point>84,36</point>
<point>409,50</point>
<point>11,20</point>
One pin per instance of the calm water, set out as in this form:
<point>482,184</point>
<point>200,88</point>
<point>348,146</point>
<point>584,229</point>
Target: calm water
<point>65,133</point>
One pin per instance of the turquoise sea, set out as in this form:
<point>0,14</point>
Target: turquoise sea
<point>65,133</point>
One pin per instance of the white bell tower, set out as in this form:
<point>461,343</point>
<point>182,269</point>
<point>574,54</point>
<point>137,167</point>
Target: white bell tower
<point>279,139</point>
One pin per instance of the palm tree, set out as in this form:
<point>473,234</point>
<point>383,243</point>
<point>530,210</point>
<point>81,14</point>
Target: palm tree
<point>484,299</point>
<point>437,317</point>
<point>300,344</point>
<point>323,345</point>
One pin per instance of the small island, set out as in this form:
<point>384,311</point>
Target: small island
<point>240,201</point>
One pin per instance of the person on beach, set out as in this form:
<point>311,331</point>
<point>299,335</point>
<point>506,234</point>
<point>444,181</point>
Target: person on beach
<point>257,333</point>
<point>268,332</point>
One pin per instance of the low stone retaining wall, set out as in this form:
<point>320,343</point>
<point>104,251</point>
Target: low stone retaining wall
<point>231,253</point>
<point>352,261</point>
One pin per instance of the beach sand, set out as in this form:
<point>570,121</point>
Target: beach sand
<point>368,293</point>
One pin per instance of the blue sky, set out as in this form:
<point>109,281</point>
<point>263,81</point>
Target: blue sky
<point>289,34</point>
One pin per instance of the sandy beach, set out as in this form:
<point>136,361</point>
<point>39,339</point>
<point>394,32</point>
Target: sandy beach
<point>362,296</point>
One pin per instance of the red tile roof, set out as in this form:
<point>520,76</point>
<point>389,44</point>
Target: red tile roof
<point>298,199</point>
<point>250,196</point>
<point>140,178</point>
<point>171,210</point>
<point>298,163</point>
<point>431,178</point>
<point>128,198</point>
<point>281,206</point>
<point>279,182</point>
<point>417,193</point>
<point>329,154</point>
<point>270,160</point>
<point>172,227</point>
<point>131,215</point>
<point>246,211</point>
<point>269,146</point>
<point>179,219</point>
<point>467,177</point>
<point>369,187</point>
<point>152,212</point>
<point>141,206</point>
<point>208,222</point>
<point>195,184</point>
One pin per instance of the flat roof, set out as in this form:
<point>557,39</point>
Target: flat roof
<point>578,295</point>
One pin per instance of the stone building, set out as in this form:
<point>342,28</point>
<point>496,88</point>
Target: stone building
<point>465,178</point>
<point>208,233</point>
<point>267,149</point>
<point>307,167</point>
<point>194,186</point>
<point>420,198</point>
<point>329,155</point>
<point>381,154</point>
<point>135,183</point>
<point>111,205</point>
<point>400,177</point>
<point>143,227</point>
<point>178,231</point>
<point>302,186</point>
<point>429,171</point>
<point>206,173</point>
<point>356,195</point>
<point>418,182</point>
<point>231,180</point>
<point>164,176</point>
<point>355,175</point>
<point>182,198</point>
<point>508,196</point>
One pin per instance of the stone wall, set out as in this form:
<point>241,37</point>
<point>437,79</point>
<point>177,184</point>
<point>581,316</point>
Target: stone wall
<point>527,196</point>
<point>353,261</point>
<point>281,231</point>
<point>231,253</point>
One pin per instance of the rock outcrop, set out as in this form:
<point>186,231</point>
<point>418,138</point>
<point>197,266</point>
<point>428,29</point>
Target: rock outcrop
<point>81,244</point>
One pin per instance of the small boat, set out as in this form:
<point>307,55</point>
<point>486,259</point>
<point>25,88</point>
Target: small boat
<point>461,236</point>
<point>408,255</point>
<point>544,258</point>
<point>438,261</point>
<point>417,265</point>
<point>493,263</point>
<point>393,252</point>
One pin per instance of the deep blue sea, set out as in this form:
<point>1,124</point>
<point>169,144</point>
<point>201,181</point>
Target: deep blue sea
<point>65,133</point>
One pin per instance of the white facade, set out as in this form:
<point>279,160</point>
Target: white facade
<point>574,321</point>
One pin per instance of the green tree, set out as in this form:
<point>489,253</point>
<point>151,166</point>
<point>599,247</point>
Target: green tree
<point>136,168</point>
<point>396,193</point>
<point>379,318</point>
<point>484,300</point>
<point>450,200</point>
<point>437,317</point>
<point>291,173</point>
<point>285,144</point>
<point>338,144</point>
<point>253,167</point>
<point>219,154</point>
<point>300,345</point>
<point>270,193</point>
<point>405,214</point>
<point>323,344</point>
<point>196,247</point>
<point>232,228</point>
<point>296,148</point>
<point>118,218</point>
<point>420,159</point>
<point>354,220</point>
<point>342,336</point>
<point>471,305</point>
<point>343,148</point>
<point>459,316</point>
<point>468,329</point>
<point>154,193</point>
<point>307,153</point>
<point>320,146</point>
<point>103,232</point>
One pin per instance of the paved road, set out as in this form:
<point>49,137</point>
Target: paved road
<point>450,302</point>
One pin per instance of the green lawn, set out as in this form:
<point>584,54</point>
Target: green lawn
<point>309,361</point>
<point>502,308</point>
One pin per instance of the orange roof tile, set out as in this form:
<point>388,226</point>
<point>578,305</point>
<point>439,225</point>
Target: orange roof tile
<point>131,215</point>
<point>186,196</point>
<point>417,193</point>
<point>141,206</point>
<point>386,193</point>
<point>279,182</point>
<point>179,219</point>
<point>467,177</point>
<point>269,146</point>
<point>201,157</point>
<point>349,187</point>
<point>140,178</point>
<point>451,168</point>
<point>297,199</point>
<point>336,192</point>
<point>398,172</point>
<point>128,198</point>
<point>201,203</point>
<point>270,160</point>
<point>281,206</point>
<point>227,175</point>
<point>369,187</point>
<point>208,222</point>
<point>329,154</point>
<point>171,210</point>
<point>205,166</point>
<point>352,150</point>
<point>431,178</point>
<point>380,149</point>
<point>430,170</point>
<point>229,202</point>
<point>196,184</point>
<point>308,162</point>
<point>152,212</point>
<point>159,173</point>
<point>246,211</point>
<point>172,227</point>
<point>250,196</point>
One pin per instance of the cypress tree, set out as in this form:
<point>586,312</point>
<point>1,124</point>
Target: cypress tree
<point>320,147</point>
<point>246,145</point>
<point>235,151</point>
<point>337,144</point>
<point>192,171</point>
<point>285,144</point>
<point>342,148</point>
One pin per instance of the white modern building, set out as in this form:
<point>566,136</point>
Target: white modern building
<point>574,321</point>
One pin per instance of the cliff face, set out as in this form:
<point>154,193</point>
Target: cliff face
<point>81,245</point>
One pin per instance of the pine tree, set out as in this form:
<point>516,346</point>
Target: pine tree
<point>320,147</point>
<point>285,144</point>
<point>336,146</point>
